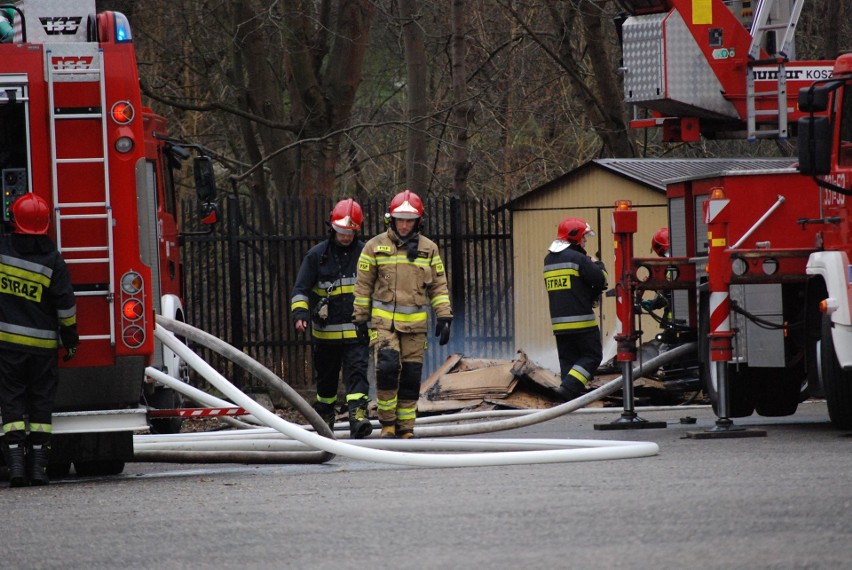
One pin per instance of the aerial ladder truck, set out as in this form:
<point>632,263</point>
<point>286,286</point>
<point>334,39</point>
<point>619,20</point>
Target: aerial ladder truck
<point>759,273</point>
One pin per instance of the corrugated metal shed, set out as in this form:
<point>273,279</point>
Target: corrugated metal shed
<point>656,172</point>
<point>589,192</point>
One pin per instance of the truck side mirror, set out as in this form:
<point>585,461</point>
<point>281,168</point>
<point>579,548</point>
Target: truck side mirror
<point>814,145</point>
<point>205,179</point>
<point>814,99</point>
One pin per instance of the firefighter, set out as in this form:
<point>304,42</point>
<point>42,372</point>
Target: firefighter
<point>37,313</point>
<point>7,25</point>
<point>400,274</point>
<point>574,283</point>
<point>660,242</point>
<point>660,246</point>
<point>323,297</point>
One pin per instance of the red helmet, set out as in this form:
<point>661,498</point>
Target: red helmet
<point>406,206</point>
<point>660,242</point>
<point>572,230</point>
<point>346,217</point>
<point>30,215</point>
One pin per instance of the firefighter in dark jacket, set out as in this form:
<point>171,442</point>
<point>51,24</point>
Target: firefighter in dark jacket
<point>323,297</point>
<point>574,283</point>
<point>400,275</point>
<point>37,313</point>
<point>660,246</point>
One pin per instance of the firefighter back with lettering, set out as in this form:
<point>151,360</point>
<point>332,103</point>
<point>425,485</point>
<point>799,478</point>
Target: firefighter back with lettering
<point>323,296</point>
<point>37,313</point>
<point>400,275</point>
<point>574,283</point>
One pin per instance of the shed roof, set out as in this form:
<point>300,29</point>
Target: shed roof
<point>655,173</point>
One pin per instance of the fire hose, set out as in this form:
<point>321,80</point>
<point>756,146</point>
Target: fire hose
<point>266,445</point>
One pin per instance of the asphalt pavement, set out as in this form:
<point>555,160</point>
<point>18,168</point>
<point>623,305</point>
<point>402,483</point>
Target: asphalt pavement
<point>774,502</point>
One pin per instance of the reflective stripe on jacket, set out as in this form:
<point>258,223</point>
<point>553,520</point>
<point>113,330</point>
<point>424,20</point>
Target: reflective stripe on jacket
<point>327,273</point>
<point>37,303</point>
<point>396,292</point>
<point>574,283</point>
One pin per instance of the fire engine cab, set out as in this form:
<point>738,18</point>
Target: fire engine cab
<point>74,131</point>
<point>760,272</point>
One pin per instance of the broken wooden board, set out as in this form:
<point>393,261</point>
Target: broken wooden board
<point>492,382</point>
<point>450,363</point>
<point>436,406</point>
<point>470,383</point>
<point>525,367</point>
<point>523,400</point>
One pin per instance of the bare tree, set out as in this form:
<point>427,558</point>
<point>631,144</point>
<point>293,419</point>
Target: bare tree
<point>324,79</point>
<point>417,173</point>
<point>579,45</point>
<point>461,105</point>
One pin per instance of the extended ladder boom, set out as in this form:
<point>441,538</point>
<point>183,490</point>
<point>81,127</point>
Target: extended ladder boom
<point>700,71</point>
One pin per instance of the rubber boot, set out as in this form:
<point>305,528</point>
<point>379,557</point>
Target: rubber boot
<point>359,424</point>
<point>16,462</point>
<point>37,459</point>
<point>571,388</point>
<point>406,414</point>
<point>386,401</point>
<point>326,412</point>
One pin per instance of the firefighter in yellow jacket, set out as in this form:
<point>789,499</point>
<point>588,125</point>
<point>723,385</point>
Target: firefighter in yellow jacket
<point>400,274</point>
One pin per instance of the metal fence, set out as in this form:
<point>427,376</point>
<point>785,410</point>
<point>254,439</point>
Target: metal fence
<point>238,280</point>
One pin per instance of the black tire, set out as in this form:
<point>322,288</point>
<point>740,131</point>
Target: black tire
<point>163,398</point>
<point>740,387</point>
<point>58,470</point>
<point>98,468</point>
<point>836,381</point>
<point>777,391</point>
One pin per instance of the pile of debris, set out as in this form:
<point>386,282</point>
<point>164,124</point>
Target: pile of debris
<point>476,383</point>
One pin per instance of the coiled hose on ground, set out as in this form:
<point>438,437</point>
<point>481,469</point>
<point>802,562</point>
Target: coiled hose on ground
<point>298,445</point>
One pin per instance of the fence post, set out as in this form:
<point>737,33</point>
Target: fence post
<point>457,266</point>
<point>234,285</point>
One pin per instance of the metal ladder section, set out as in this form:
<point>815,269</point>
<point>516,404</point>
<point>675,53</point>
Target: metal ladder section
<point>65,205</point>
<point>760,26</point>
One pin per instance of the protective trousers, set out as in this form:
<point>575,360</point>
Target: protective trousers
<point>399,365</point>
<point>328,359</point>
<point>580,354</point>
<point>27,391</point>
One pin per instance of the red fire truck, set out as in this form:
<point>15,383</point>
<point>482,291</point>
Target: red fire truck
<point>760,272</point>
<point>75,132</point>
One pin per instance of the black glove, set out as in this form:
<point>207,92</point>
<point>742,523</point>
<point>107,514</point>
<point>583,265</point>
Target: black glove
<point>363,333</point>
<point>69,353</point>
<point>442,329</point>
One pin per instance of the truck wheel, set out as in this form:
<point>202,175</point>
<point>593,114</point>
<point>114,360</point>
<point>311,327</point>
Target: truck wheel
<point>98,468</point>
<point>778,391</point>
<point>740,388</point>
<point>164,399</point>
<point>836,381</point>
<point>58,470</point>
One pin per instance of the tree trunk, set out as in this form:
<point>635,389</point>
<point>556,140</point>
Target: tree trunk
<point>461,105</point>
<point>833,13</point>
<point>326,101</point>
<point>611,124</point>
<point>417,172</point>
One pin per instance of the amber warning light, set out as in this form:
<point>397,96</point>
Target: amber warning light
<point>717,193</point>
<point>122,112</point>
